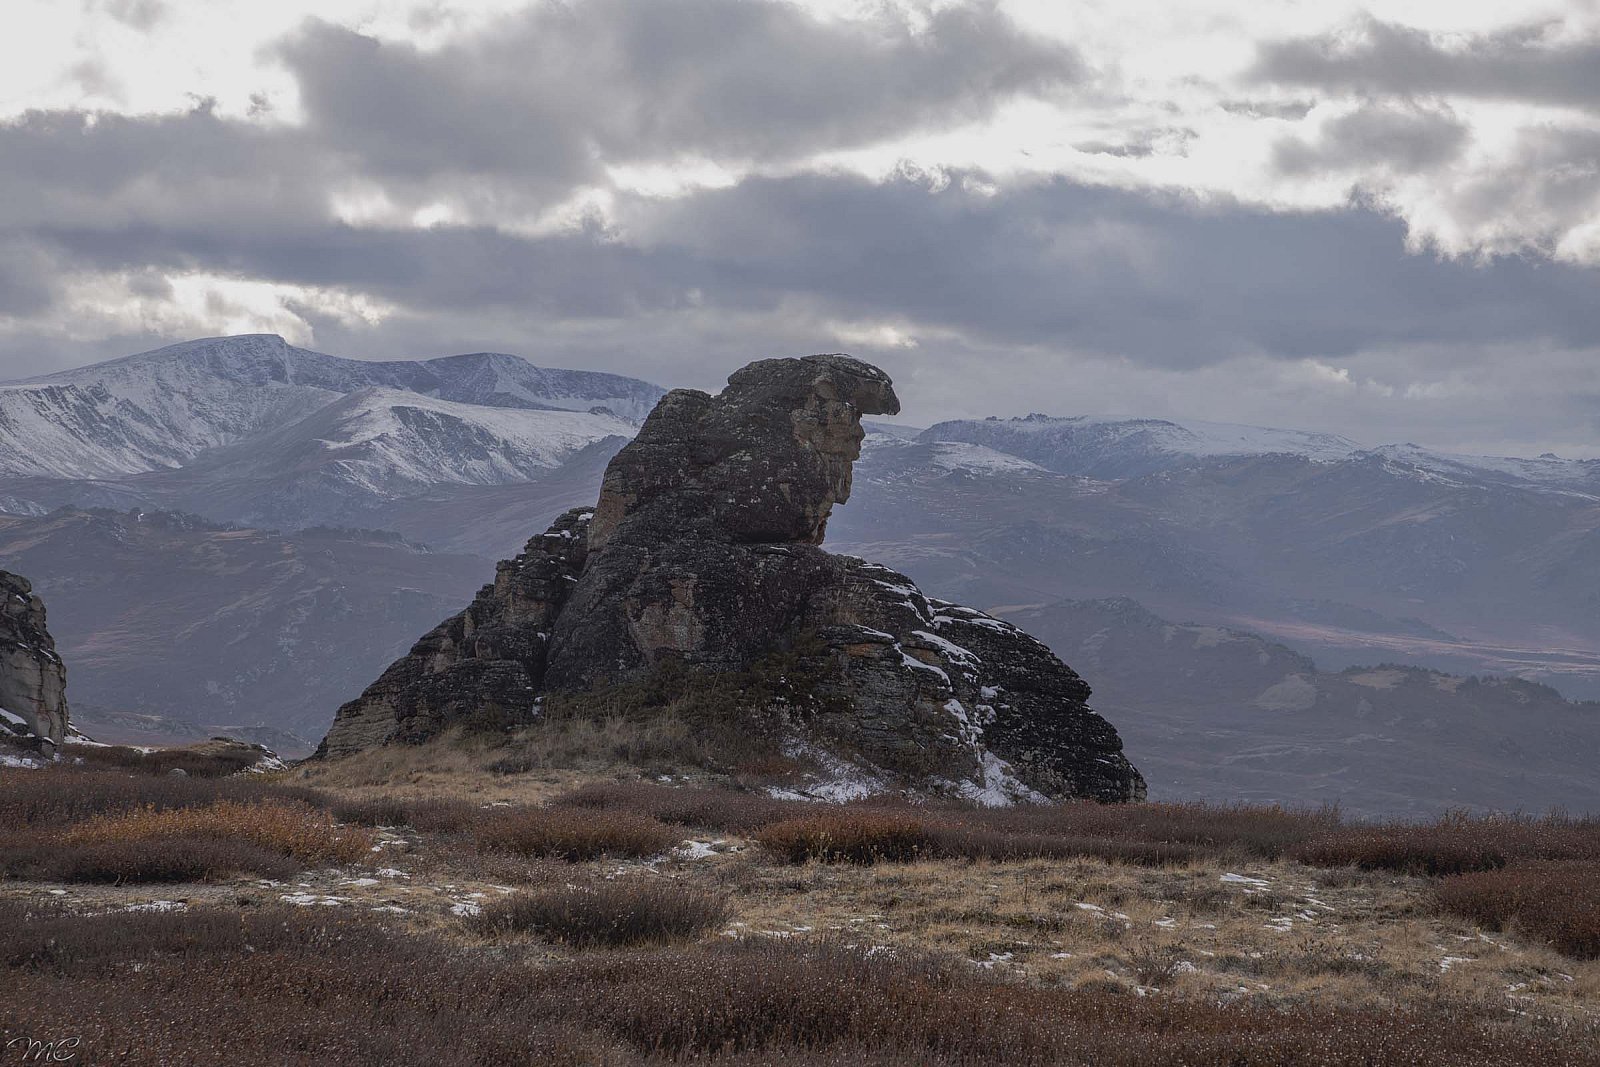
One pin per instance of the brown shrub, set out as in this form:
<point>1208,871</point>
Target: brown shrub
<point>613,914</point>
<point>1266,831</point>
<point>1405,850</point>
<point>130,862</point>
<point>60,795</point>
<point>295,830</point>
<point>166,760</point>
<point>1553,902</point>
<point>373,811</point>
<point>849,836</point>
<point>1456,844</point>
<point>435,815</point>
<point>705,808</point>
<point>573,835</point>
<point>955,840</point>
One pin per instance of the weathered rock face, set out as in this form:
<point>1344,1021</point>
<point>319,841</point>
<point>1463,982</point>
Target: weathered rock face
<point>702,553</point>
<point>33,682</point>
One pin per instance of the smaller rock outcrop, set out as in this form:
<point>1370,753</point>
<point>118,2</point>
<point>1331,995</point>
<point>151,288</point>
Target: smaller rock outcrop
<point>33,680</point>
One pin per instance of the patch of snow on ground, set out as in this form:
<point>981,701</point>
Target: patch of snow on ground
<point>1240,879</point>
<point>158,905</point>
<point>695,850</point>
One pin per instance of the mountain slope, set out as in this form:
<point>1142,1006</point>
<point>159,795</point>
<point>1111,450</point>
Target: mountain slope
<point>167,615</point>
<point>1227,715</point>
<point>252,429</point>
<point>163,408</point>
<point>1463,563</point>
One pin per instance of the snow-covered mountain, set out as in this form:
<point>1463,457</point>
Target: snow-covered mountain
<point>163,409</point>
<point>1112,449</point>
<point>1470,564</point>
<point>253,429</point>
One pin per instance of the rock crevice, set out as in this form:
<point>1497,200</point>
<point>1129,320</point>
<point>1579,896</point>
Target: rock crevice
<point>703,554</point>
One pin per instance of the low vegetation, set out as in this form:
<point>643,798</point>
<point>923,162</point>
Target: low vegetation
<point>297,831</point>
<point>573,835</point>
<point>1556,903</point>
<point>147,861</point>
<point>850,837</point>
<point>257,987</point>
<point>575,930</point>
<point>611,914</point>
<point>1454,845</point>
<point>199,764</point>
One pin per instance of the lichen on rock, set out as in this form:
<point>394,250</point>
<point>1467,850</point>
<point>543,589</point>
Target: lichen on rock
<point>703,555</point>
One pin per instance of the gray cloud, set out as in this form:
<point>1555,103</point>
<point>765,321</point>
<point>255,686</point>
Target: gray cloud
<point>550,94</point>
<point>1085,293</point>
<point>1406,138</point>
<point>1386,58</point>
<point>1158,280</point>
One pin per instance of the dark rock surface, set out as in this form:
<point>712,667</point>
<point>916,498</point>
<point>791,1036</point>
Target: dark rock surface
<point>702,553</point>
<point>33,681</point>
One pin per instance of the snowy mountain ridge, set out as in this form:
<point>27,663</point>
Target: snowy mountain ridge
<point>164,409</point>
<point>1115,449</point>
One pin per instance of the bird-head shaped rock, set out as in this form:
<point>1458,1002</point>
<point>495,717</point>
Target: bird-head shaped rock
<point>765,460</point>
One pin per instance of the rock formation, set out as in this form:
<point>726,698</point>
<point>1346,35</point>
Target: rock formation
<point>33,681</point>
<point>702,556</point>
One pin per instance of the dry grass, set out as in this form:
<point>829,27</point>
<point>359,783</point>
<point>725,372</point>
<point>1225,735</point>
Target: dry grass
<point>611,914</point>
<point>294,830</point>
<point>573,835</point>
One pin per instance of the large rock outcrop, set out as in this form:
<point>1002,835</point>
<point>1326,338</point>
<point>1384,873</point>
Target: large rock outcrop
<point>33,681</point>
<point>702,556</point>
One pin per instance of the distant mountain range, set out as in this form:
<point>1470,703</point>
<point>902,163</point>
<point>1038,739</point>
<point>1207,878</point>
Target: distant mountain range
<point>253,429</point>
<point>1354,555</point>
<point>252,616</point>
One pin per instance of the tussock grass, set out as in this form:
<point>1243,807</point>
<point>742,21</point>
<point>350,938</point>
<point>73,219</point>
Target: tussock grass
<point>612,914</point>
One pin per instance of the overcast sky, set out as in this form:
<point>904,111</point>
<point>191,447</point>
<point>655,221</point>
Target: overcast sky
<point>1378,219</point>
